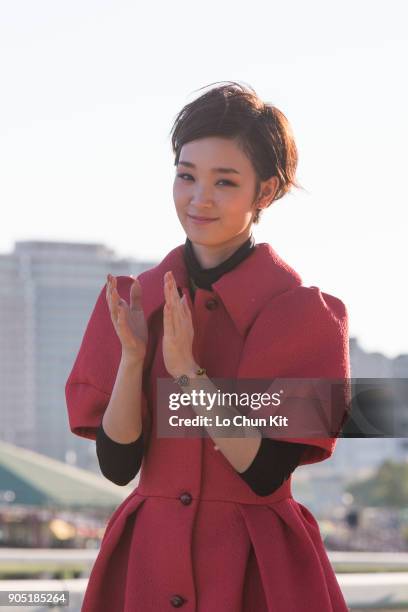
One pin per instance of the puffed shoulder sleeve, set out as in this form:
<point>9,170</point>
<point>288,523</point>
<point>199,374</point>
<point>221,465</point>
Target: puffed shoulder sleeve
<point>299,344</point>
<point>91,380</point>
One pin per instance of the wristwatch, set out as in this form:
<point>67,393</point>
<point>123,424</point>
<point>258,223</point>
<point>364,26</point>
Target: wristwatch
<point>184,380</point>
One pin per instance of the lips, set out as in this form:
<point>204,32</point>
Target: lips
<point>198,219</point>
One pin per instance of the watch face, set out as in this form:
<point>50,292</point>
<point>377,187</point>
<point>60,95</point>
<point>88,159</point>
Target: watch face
<point>183,380</point>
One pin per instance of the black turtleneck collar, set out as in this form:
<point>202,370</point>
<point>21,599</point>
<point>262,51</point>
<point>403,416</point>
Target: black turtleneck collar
<point>205,277</point>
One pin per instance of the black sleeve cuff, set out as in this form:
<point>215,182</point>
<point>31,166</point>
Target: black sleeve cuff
<point>119,462</point>
<point>272,465</point>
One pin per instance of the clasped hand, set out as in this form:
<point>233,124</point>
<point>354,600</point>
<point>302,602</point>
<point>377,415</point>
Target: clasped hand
<point>130,325</point>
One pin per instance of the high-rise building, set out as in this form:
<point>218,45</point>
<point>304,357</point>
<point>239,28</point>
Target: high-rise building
<point>47,293</point>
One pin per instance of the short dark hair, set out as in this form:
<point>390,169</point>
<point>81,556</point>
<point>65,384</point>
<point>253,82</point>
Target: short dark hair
<point>260,129</point>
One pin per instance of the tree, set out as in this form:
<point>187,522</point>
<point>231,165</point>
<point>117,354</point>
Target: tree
<point>388,487</point>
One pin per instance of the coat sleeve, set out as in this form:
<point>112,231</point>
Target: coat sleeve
<point>299,341</point>
<point>91,380</point>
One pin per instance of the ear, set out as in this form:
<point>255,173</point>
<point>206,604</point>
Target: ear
<point>267,192</point>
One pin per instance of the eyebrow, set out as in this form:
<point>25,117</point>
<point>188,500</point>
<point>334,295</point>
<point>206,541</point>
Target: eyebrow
<point>224,170</point>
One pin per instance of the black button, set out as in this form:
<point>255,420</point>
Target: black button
<point>211,304</point>
<point>185,498</point>
<point>177,601</point>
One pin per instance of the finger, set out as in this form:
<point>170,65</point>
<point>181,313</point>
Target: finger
<point>178,315</point>
<point>136,295</point>
<point>109,294</point>
<point>188,319</point>
<point>167,322</point>
<point>168,300</point>
<point>109,284</point>
<point>116,304</point>
<point>166,289</point>
<point>120,315</point>
<point>186,307</point>
<point>175,294</point>
<point>188,315</point>
<point>115,292</point>
<point>115,298</point>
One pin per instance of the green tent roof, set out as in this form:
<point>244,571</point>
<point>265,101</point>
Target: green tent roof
<point>37,480</point>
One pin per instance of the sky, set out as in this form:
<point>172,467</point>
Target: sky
<point>90,90</point>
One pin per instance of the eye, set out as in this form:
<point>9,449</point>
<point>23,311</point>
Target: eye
<point>183,174</point>
<point>226,181</point>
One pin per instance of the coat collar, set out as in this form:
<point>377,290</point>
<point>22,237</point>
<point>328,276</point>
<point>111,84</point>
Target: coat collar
<point>244,291</point>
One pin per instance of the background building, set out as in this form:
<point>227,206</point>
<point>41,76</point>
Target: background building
<point>47,293</point>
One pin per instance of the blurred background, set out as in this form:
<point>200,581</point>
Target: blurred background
<point>90,90</point>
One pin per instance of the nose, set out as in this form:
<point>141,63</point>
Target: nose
<point>201,198</point>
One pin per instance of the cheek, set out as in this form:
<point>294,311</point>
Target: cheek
<point>180,193</point>
<point>179,206</point>
<point>237,209</point>
<point>178,198</point>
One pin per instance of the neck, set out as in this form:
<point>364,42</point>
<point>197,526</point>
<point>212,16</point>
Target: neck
<point>210,256</point>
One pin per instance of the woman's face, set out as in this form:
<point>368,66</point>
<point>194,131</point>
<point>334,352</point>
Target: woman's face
<point>214,181</point>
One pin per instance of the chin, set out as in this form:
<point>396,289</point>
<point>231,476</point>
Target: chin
<point>200,238</point>
<point>204,240</point>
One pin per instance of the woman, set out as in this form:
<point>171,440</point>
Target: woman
<point>212,524</point>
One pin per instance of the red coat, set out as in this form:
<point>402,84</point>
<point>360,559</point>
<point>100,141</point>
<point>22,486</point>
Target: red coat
<point>193,534</point>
